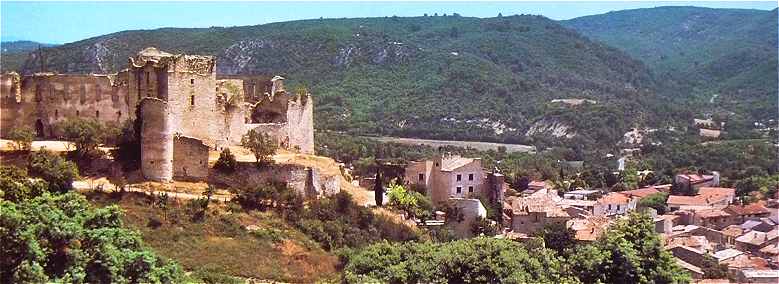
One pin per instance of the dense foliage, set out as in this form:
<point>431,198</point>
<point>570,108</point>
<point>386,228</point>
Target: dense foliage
<point>628,252</point>
<point>86,134</point>
<point>723,59</point>
<point>226,162</point>
<point>447,77</point>
<point>479,260</point>
<point>54,169</point>
<point>22,138</point>
<point>60,238</point>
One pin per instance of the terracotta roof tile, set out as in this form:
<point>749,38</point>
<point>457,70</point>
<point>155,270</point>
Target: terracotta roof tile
<point>614,198</point>
<point>641,192</point>
<point>750,209</point>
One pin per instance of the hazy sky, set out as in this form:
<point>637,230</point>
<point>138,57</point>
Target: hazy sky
<point>62,22</point>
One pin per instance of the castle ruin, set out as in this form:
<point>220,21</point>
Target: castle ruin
<point>185,109</point>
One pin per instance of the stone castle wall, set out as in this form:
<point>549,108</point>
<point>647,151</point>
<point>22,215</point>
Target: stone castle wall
<point>41,101</point>
<point>190,158</point>
<point>156,140</point>
<point>300,123</point>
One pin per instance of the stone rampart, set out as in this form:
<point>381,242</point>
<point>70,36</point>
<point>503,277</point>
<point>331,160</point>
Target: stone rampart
<point>156,141</point>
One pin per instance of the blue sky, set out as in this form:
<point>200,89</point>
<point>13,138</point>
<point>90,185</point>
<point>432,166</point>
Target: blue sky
<point>62,22</point>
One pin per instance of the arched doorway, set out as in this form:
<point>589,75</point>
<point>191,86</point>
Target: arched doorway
<point>39,128</point>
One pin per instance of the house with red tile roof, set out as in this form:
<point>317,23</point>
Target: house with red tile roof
<point>614,203</point>
<point>688,182</point>
<point>750,211</point>
<point>707,198</point>
<point>641,192</point>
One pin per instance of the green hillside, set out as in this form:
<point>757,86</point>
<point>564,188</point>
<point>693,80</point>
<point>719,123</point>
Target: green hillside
<point>14,53</point>
<point>726,54</point>
<point>429,77</point>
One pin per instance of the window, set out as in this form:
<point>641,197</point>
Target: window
<point>97,114</point>
<point>609,206</point>
<point>470,176</point>
<point>459,177</point>
<point>118,115</point>
<point>192,100</point>
<point>422,177</point>
<point>78,113</point>
<point>470,189</point>
<point>56,114</point>
<point>191,81</point>
<point>459,189</point>
<point>436,164</point>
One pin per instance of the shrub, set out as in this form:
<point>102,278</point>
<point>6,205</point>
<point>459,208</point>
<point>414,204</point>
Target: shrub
<point>128,146</point>
<point>226,163</point>
<point>262,145</point>
<point>55,170</point>
<point>269,234</point>
<point>86,134</point>
<point>22,138</point>
<point>68,241</point>
<point>16,186</point>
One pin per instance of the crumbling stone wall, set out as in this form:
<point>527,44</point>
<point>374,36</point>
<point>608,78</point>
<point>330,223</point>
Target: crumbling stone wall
<point>308,182</point>
<point>42,100</point>
<point>300,123</point>
<point>190,158</point>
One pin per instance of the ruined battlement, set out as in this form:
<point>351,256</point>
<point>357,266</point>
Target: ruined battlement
<point>178,95</point>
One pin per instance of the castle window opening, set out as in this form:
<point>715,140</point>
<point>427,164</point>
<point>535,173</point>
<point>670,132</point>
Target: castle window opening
<point>78,113</point>
<point>459,177</point>
<point>470,189</point>
<point>192,100</point>
<point>56,114</point>
<point>459,189</point>
<point>470,176</point>
<point>191,81</point>
<point>422,177</point>
<point>118,115</point>
<point>97,114</point>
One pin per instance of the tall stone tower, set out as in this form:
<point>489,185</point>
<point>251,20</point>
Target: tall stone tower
<point>177,97</point>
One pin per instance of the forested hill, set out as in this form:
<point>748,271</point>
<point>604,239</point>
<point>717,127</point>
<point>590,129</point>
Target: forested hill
<point>726,54</point>
<point>446,77</point>
<point>14,53</point>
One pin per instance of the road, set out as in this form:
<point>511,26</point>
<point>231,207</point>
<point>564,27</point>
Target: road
<point>482,146</point>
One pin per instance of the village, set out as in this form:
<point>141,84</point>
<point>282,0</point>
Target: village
<point>203,134</point>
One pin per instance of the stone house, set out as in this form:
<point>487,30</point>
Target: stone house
<point>742,213</point>
<point>707,198</point>
<point>451,176</point>
<point>614,203</point>
<point>686,182</point>
<point>528,215</point>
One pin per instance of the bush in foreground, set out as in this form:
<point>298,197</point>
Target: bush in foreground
<point>60,238</point>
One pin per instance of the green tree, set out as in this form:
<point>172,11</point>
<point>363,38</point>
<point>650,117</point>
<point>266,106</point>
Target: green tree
<point>55,170</point>
<point>16,186</point>
<point>226,162</point>
<point>402,199</point>
<point>86,134</point>
<point>477,260</point>
<point>128,144</point>
<point>628,252</point>
<point>712,269</point>
<point>558,237</point>
<point>22,138</point>
<point>60,238</point>
<point>655,201</point>
<point>262,145</point>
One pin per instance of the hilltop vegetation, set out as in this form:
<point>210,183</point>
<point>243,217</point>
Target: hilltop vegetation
<point>16,52</point>
<point>724,56</point>
<point>446,77</point>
